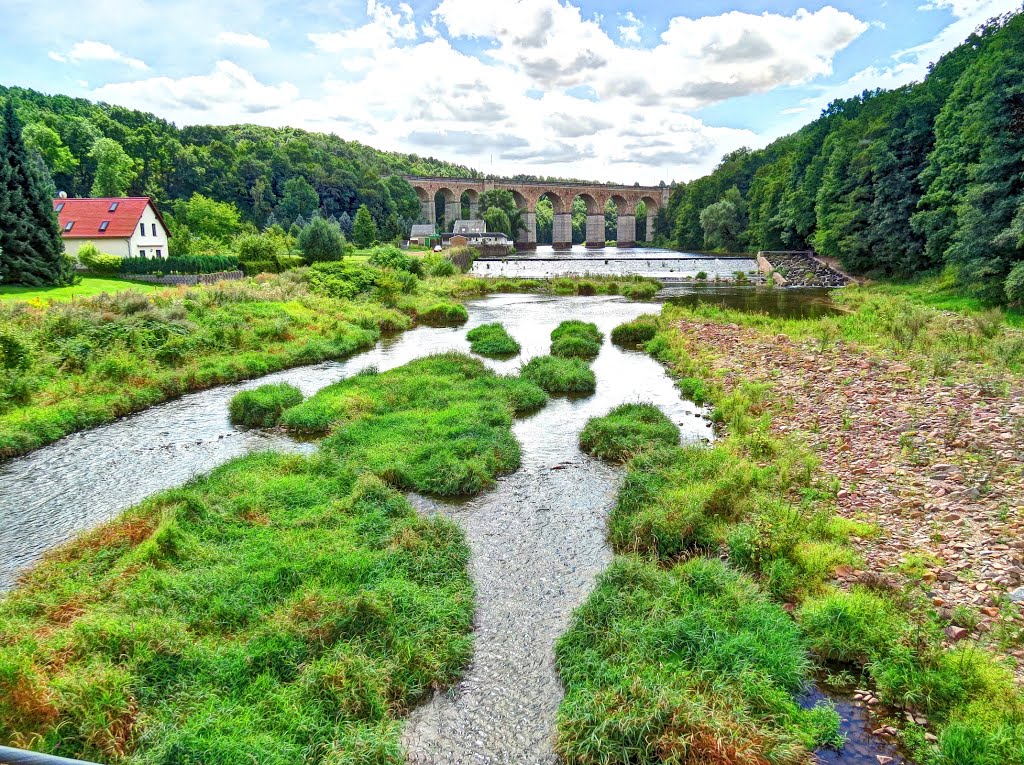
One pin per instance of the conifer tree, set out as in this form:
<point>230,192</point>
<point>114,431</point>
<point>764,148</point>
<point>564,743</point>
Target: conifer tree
<point>364,230</point>
<point>30,240</point>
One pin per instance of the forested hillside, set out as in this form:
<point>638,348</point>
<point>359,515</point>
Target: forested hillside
<point>269,174</point>
<point>891,183</point>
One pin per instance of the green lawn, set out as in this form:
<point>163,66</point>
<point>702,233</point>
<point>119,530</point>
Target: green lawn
<point>90,286</point>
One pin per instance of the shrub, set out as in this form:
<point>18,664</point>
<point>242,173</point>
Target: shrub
<point>321,241</point>
<point>341,280</point>
<point>258,247</point>
<point>492,340</point>
<point>96,261</point>
<point>436,264</point>
<point>641,330</point>
<point>640,290</point>
<point>389,256</point>
<point>463,257</point>
<point>262,407</point>
<point>444,313</point>
<point>185,264</point>
<point>255,267</point>
<point>288,262</point>
<point>702,275</point>
<point>626,431</point>
<point>1014,284</point>
<point>558,375</point>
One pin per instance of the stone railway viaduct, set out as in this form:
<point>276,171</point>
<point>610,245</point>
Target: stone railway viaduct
<point>528,193</point>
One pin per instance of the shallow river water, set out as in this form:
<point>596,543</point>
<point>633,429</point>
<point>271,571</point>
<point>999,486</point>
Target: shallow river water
<point>537,538</point>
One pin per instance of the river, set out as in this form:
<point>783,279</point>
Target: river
<point>537,539</point>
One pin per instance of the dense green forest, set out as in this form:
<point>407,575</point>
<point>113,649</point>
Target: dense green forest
<point>892,183</point>
<point>270,174</point>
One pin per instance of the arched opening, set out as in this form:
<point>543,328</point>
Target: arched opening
<point>588,221</point>
<point>427,212</point>
<point>646,210</point>
<point>446,208</point>
<point>470,205</point>
<point>620,222</point>
<point>549,205</point>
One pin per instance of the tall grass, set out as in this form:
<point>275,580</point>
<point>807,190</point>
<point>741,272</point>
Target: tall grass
<point>628,430</point>
<point>280,610</point>
<point>492,340</point>
<point>558,375</point>
<point>439,425</point>
<point>262,407</point>
<point>576,339</point>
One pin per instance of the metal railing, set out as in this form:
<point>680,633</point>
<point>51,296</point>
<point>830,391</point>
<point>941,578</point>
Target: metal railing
<point>9,756</point>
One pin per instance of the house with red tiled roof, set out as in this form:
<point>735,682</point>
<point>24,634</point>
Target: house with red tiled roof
<point>122,226</point>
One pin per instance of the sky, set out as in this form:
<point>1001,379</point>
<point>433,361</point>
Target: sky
<point>611,90</point>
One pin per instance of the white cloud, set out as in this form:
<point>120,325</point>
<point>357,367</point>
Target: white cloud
<point>241,40</point>
<point>227,94</point>
<point>381,32</point>
<point>629,32</point>
<point>90,50</point>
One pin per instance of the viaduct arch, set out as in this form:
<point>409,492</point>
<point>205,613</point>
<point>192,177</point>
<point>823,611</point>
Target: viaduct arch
<point>528,193</point>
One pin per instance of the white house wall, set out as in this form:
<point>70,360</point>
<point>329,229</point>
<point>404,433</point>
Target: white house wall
<point>117,247</point>
<point>147,244</point>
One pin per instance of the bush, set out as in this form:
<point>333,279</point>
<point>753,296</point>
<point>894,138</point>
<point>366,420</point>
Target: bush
<point>288,262</point>
<point>321,241</point>
<point>576,339</point>
<point>436,264</point>
<point>628,430</point>
<point>1014,284</point>
<point>443,314</point>
<point>96,261</point>
<point>255,267</point>
<point>389,256</point>
<point>463,257</point>
<point>262,407</point>
<point>558,375</point>
<point>492,340</point>
<point>187,264</point>
<point>640,290</point>
<point>258,247</point>
<point>641,330</point>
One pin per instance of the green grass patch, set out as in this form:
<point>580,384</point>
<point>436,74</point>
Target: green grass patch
<point>262,407</point>
<point>640,290</point>
<point>636,332</point>
<point>492,340</point>
<point>576,339</point>
<point>628,430</point>
<point>439,425</point>
<point>280,610</point>
<point>89,286</point>
<point>690,664</point>
<point>558,375</point>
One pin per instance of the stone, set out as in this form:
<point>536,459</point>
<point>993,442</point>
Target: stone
<point>1016,596</point>
<point>955,633</point>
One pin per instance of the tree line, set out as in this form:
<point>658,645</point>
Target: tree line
<point>893,183</point>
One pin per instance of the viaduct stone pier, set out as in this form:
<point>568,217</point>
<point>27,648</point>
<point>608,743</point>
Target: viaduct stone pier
<point>561,195</point>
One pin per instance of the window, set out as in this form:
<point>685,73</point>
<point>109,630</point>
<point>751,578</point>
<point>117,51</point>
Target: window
<point>104,224</point>
<point>59,207</point>
<point>159,253</point>
<point>142,253</point>
<point>68,226</point>
<point>154,229</point>
<point>113,207</point>
<point>142,229</point>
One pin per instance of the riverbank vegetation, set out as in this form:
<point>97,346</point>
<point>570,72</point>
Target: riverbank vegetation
<point>892,183</point>
<point>636,332</point>
<point>282,608</point>
<point>262,407</point>
<point>758,498</point>
<point>559,375</point>
<point>492,340</point>
<point>576,339</point>
<point>626,431</point>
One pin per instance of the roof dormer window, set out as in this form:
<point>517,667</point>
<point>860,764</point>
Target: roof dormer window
<point>113,207</point>
<point>104,224</point>
<point>68,226</point>
<point>59,207</point>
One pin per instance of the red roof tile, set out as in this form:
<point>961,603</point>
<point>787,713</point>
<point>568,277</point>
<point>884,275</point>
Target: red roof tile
<point>88,215</point>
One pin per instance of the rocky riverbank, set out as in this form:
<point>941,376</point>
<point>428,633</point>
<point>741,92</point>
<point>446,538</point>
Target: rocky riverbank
<point>937,466</point>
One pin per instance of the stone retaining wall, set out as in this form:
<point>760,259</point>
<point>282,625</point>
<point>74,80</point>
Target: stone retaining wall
<point>188,280</point>
<point>799,269</point>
